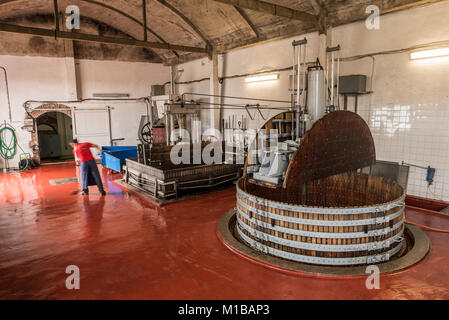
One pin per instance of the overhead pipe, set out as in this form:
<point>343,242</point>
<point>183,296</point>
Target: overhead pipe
<point>26,103</point>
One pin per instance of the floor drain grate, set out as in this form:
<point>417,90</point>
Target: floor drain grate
<point>56,182</point>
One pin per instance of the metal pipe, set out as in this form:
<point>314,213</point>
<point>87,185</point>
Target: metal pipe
<point>144,12</point>
<point>413,165</point>
<point>293,88</point>
<point>326,80</point>
<point>65,109</point>
<point>298,84</point>
<point>167,130</point>
<point>332,78</point>
<point>110,124</point>
<point>7,93</point>
<point>172,83</point>
<point>56,13</point>
<point>293,77</point>
<point>304,78</point>
<point>298,91</point>
<point>172,126</point>
<point>338,79</point>
<point>230,97</point>
<point>301,55</point>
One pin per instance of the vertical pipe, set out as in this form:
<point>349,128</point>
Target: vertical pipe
<point>150,104</point>
<point>144,12</point>
<point>327,79</point>
<point>56,13</point>
<point>338,79</point>
<point>172,126</point>
<point>304,78</point>
<point>192,128</point>
<point>293,90</point>
<point>298,93</point>
<point>7,93</point>
<point>332,78</point>
<point>172,84</point>
<point>110,124</point>
<point>167,130</point>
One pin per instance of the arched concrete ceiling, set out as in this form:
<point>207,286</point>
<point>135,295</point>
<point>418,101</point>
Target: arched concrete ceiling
<point>195,23</point>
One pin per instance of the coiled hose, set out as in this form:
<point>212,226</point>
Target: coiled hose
<point>8,148</point>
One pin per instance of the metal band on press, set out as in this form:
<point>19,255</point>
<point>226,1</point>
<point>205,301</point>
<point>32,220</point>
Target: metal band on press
<point>321,210</point>
<point>319,260</point>
<point>331,235</point>
<point>322,247</point>
<point>328,223</point>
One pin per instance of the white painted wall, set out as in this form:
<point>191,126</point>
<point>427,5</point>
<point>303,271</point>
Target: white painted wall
<point>408,112</point>
<point>39,78</point>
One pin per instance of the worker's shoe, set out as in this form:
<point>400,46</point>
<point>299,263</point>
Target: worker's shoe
<point>84,193</point>
<point>103,193</point>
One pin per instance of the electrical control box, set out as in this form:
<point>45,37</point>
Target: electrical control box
<point>157,90</point>
<point>352,84</point>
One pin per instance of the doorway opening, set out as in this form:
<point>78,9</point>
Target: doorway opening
<point>54,130</point>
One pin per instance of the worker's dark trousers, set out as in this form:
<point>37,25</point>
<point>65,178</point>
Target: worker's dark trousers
<point>90,175</point>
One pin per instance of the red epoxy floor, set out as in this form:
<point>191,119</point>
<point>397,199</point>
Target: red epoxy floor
<point>128,248</point>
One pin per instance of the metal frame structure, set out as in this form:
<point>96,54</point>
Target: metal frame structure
<point>163,184</point>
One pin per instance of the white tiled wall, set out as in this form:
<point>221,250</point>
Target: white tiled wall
<point>417,134</point>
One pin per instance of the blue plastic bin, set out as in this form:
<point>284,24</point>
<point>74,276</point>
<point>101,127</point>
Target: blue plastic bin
<point>113,157</point>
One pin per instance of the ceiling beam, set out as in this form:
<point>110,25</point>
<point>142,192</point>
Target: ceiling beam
<point>273,9</point>
<point>186,20</point>
<point>248,21</point>
<point>322,15</point>
<point>316,5</point>
<point>410,5</point>
<point>95,38</point>
<point>109,7</point>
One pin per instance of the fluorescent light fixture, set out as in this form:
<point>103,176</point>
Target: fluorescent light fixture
<point>266,77</point>
<point>111,95</point>
<point>430,53</point>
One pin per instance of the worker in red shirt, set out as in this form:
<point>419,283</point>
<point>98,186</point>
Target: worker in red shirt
<point>89,170</point>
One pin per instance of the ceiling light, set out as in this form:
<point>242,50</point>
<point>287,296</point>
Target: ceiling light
<point>431,53</point>
<point>111,95</point>
<point>266,77</point>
